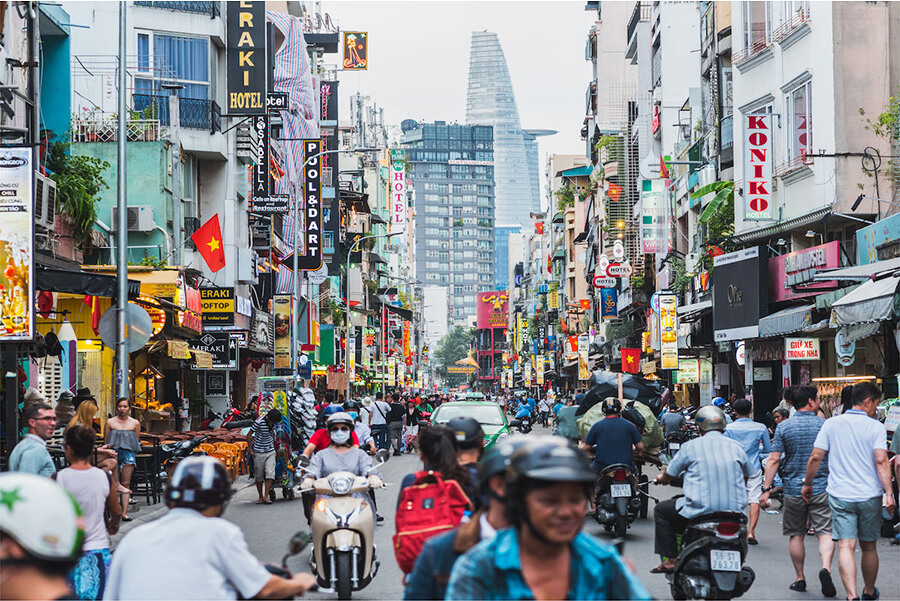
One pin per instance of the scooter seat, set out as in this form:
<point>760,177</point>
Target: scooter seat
<point>719,516</point>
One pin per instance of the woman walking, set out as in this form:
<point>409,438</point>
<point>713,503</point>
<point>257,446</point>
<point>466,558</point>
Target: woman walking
<point>122,433</point>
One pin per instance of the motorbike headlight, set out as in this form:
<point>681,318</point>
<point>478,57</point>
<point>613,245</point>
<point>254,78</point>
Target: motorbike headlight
<point>340,485</point>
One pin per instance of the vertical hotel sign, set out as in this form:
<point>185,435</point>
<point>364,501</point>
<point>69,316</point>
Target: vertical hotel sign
<point>398,188</point>
<point>312,203</point>
<point>245,57</point>
<point>16,244</point>
<point>668,331</point>
<point>281,308</point>
<point>758,167</point>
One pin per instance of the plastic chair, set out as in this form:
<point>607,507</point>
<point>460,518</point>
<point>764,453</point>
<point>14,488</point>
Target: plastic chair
<point>227,459</point>
<point>206,447</point>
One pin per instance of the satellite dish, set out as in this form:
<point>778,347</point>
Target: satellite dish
<point>138,327</point>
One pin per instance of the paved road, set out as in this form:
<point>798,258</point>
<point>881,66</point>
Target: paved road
<point>269,527</point>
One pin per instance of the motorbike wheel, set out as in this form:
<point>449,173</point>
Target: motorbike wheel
<point>342,566</point>
<point>677,593</point>
<point>645,500</point>
<point>621,526</point>
<point>272,495</point>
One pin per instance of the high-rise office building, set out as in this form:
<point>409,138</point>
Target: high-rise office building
<point>452,175</point>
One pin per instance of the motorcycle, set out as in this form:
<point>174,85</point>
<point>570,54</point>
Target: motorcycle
<point>344,557</point>
<point>296,546</point>
<point>617,498</point>
<point>172,453</point>
<point>710,564</point>
<point>231,415</point>
<point>525,424</point>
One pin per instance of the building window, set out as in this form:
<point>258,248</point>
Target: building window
<point>757,25</point>
<point>173,59</point>
<point>799,121</point>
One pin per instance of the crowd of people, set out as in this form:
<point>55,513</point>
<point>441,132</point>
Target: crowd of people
<point>518,532</point>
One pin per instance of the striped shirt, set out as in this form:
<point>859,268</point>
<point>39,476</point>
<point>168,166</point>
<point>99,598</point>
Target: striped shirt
<point>263,436</point>
<point>753,436</point>
<point>714,468</point>
<point>794,438</point>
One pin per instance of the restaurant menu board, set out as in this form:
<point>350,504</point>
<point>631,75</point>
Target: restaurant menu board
<point>16,244</point>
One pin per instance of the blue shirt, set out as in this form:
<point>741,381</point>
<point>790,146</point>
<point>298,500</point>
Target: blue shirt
<point>556,408</point>
<point>31,456</point>
<point>523,411</point>
<point>753,436</point>
<point>493,570</point>
<point>532,403</point>
<point>714,469</point>
<point>794,439</point>
<point>615,438</point>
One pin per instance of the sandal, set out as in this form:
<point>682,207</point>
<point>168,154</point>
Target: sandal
<point>799,586</point>
<point>261,502</point>
<point>662,569</point>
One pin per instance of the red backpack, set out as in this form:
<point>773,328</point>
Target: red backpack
<point>430,506</point>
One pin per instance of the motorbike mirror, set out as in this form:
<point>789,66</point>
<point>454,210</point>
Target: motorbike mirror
<point>303,460</point>
<point>515,423</point>
<point>299,542</point>
<point>382,455</point>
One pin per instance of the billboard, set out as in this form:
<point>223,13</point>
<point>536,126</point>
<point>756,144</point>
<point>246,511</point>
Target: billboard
<point>653,214</point>
<point>791,274</point>
<point>758,168</point>
<point>741,294</point>
<point>668,331</point>
<point>245,57</point>
<point>492,311</point>
<point>311,260</point>
<point>16,244</point>
<point>356,50</point>
<point>281,307</point>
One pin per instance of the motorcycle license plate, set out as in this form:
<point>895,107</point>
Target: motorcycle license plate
<point>721,560</point>
<point>620,490</point>
<point>674,446</point>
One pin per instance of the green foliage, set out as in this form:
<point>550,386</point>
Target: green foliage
<point>336,310</point>
<point>79,180</point>
<point>451,348</point>
<point>886,126</point>
<point>565,196</point>
<point>149,261</point>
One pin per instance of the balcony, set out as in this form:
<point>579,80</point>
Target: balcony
<point>194,113</point>
<point>211,8</point>
<point>640,14</point>
<point>107,130</point>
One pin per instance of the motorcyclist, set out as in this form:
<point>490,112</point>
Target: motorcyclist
<point>341,455</point>
<point>40,537</point>
<point>362,431</point>
<point>321,438</point>
<point>619,437</point>
<point>715,470</point>
<point>544,554</point>
<point>723,405</point>
<point>524,411</point>
<point>194,534</point>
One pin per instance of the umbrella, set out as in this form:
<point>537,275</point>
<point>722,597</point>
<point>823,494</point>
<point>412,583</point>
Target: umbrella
<point>606,384</point>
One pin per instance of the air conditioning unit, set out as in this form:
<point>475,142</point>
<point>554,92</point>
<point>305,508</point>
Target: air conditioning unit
<point>44,201</point>
<point>140,219</point>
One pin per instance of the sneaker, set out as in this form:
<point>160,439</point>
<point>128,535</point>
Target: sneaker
<point>828,589</point>
<point>379,518</point>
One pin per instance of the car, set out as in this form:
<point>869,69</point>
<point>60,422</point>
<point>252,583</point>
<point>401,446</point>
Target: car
<point>490,415</point>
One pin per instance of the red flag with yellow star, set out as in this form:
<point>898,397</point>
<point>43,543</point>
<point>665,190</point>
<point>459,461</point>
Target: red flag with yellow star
<point>209,242</point>
<point>631,360</point>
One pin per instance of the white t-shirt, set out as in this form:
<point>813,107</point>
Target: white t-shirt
<point>91,489</point>
<point>850,440</point>
<point>545,406</point>
<point>380,411</point>
<point>184,555</point>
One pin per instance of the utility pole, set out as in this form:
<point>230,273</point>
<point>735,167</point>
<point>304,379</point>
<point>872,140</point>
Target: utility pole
<point>122,221</point>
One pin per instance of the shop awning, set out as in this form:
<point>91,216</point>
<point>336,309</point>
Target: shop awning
<point>376,219</point>
<point>872,301</point>
<point>376,258</point>
<point>693,311</point>
<point>858,331</point>
<point>859,273</point>
<point>404,313</point>
<point>825,300</point>
<point>784,226</point>
<point>80,282</point>
<point>786,321</point>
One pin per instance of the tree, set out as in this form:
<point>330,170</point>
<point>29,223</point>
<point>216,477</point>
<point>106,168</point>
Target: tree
<point>453,347</point>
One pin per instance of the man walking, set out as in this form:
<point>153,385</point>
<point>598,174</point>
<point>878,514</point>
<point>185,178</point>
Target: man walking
<point>858,474</point>
<point>378,414</point>
<point>31,455</point>
<point>792,447</point>
<point>753,437</point>
<point>395,423</point>
<point>261,445</point>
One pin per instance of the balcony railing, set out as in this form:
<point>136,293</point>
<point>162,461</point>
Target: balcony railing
<point>107,130</point>
<point>211,8</point>
<point>641,14</point>
<point>194,113</point>
<point>797,20</point>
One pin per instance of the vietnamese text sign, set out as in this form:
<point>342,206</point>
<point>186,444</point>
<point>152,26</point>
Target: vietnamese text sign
<point>218,306</point>
<point>668,331</point>
<point>757,167</point>
<point>281,307</point>
<point>312,196</point>
<point>351,358</point>
<point>245,57</point>
<point>689,371</point>
<point>797,349</point>
<point>398,188</point>
<point>16,244</point>
<point>491,309</point>
<point>653,210</point>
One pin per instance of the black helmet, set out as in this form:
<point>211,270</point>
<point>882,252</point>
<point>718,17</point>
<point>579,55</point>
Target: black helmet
<point>551,459</point>
<point>467,432</point>
<point>496,459</point>
<point>351,405</point>
<point>198,483</point>
<point>612,405</point>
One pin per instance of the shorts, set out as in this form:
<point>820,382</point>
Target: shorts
<point>754,487</point>
<point>124,456</point>
<point>263,466</point>
<point>797,512</point>
<point>856,519</point>
<point>88,578</point>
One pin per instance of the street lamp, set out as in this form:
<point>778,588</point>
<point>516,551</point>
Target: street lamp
<point>350,252</point>
<point>295,322</point>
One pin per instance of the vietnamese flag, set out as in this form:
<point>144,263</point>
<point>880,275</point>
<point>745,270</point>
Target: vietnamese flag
<point>539,227</point>
<point>631,360</point>
<point>615,192</point>
<point>585,304</point>
<point>209,242</point>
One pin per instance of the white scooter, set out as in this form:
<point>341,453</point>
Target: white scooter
<point>343,531</point>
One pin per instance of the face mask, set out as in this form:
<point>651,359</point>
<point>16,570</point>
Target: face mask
<point>340,436</point>
<point>353,414</point>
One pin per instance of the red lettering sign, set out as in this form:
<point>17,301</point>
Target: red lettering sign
<point>757,168</point>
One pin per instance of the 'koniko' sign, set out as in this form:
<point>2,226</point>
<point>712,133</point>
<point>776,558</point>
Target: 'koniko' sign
<point>758,167</point>
<point>398,188</point>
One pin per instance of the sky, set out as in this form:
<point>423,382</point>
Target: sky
<point>419,60</point>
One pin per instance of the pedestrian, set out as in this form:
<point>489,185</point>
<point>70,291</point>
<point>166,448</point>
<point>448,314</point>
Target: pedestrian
<point>715,470</point>
<point>779,414</point>
<point>566,422</point>
<point>30,455</point>
<point>194,534</point>
<point>544,407</point>
<point>122,434</point>
<point>791,448</point>
<point>544,554</point>
<point>261,447</point>
<point>378,414</point>
<point>395,422</point>
<point>858,474</point>
<point>106,457</point>
<point>754,437</point>
<point>846,398</point>
<point>41,530</point>
<point>411,417</point>
<point>95,492</point>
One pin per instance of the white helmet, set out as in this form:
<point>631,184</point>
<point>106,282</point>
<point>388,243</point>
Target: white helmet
<point>41,516</point>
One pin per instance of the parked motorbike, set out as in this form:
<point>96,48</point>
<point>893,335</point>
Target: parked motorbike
<point>710,564</point>
<point>231,415</point>
<point>172,453</point>
<point>617,499</point>
<point>343,558</point>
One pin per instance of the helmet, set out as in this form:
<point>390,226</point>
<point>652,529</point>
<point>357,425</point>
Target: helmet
<point>332,409</point>
<point>467,432</point>
<point>550,459</point>
<point>351,405</point>
<point>718,402</point>
<point>339,418</point>
<point>41,516</point>
<point>199,482</point>
<point>710,418</point>
<point>611,405</point>
<point>496,459</point>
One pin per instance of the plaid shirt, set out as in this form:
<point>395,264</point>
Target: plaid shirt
<point>794,439</point>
